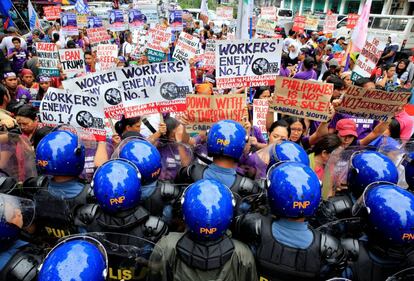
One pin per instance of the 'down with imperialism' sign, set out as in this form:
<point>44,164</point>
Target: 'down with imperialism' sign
<point>205,110</point>
<point>372,103</point>
<point>302,98</point>
<point>247,63</point>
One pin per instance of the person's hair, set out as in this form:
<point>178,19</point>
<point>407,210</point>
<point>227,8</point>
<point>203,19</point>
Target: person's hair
<point>16,39</point>
<point>260,91</point>
<point>27,111</point>
<point>121,125</point>
<point>87,53</point>
<point>171,124</point>
<point>284,60</point>
<point>394,128</point>
<point>294,119</point>
<point>308,63</point>
<point>71,44</point>
<point>338,83</point>
<point>401,71</point>
<point>3,93</point>
<point>56,37</point>
<point>361,82</point>
<point>39,134</point>
<point>328,143</point>
<point>291,32</point>
<point>388,66</point>
<point>279,123</point>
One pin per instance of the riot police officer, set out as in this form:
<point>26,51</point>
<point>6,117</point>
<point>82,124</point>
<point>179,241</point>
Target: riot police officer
<point>226,141</point>
<point>158,197</point>
<point>61,156</point>
<point>388,247</point>
<point>80,258</point>
<point>286,248</point>
<point>117,188</point>
<point>18,259</point>
<point>205,251</point>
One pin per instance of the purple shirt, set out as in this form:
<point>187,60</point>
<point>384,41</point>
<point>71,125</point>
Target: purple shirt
<point>363,126</point>
<point>257,134</point>
<point>285,72</point>
<point>306,75</point>
<point>18,60</point>
<point>252,160</point>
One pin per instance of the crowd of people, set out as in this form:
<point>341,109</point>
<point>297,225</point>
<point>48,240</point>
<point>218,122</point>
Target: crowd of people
<point>306,201</point>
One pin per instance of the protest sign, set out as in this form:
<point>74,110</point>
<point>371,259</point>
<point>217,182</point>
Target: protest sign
<point>299,24</point>
<point>107,55</point>
<point>94,22</point>
<point>72,61</point>
<point>186,47</point>
<point>268,12</point>
<point>247,63</point>
<point>103,84</point>
<point>52,12</point>
<point>160,87</point>
<point>97,35</point>
<point>48,59</point>
<point>82,20</point>
<point>159,38</point>
<point>116,20</point>
<point>331,21</point>
<point>176,20</point>
<point>352,20</point>
<point>155,56</point>
<point>209,62</point>
<point>78,109</point>
<point>266,27</point>
<point>136,19</point>
<point>260,109</point>
<point>368,58</point>
<point>311,22</point>
<point>205,110</point>
<point>372,103</point>
<point>225,12</point>
<point>69,25</point>
<point>187,19</point>
<point>302,98</point>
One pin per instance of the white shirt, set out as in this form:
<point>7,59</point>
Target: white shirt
<point>7,43</point>
<point>127,49</point>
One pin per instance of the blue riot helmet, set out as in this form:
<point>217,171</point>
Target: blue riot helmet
<point>288,151</point>
<point>80,258</point>
<point>60,153</point>
<point>367,167</point>
<point>15,213</point>
<point>207,207</point>
<point>390,210</point>
<point>294,190</point>
<point>226,138</point>
<point>408,163</point>
<point>145,156</point>
<point>117,185</point>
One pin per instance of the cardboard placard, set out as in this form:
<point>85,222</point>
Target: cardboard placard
<point>302,98</point>
<point>48,59</point>
<point>97,35</point>
<point>368,58</point>
<point>265,27</point>
<point>372,103</point>
<point>247,63</point>
<point>330,23</point>
<point>299,24</point>
<point>107,55</point>
<point>186,47</point>
<point>268,12</point>
<point>69,24</point>
<point>155,88</point>
<point>260,109</point>
<point>311,22</point>
<point>205,110</point>
<point>225,12</point>
<point>52,12</point>
<point>72,61</point>
<point>352,21</point>
<point>78,109</point>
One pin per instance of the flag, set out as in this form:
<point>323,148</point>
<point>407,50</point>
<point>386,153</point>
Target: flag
<point>204,11</point>
<point>359,34</point>
<point>81,7</point>
<point>244,16</point>
<point>5,7</point>
<point>34,20</point>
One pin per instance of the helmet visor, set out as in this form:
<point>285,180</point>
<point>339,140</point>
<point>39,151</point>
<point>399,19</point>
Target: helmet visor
<point>16,210</point>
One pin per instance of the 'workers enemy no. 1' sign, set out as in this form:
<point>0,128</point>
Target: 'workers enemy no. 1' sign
<point>247,63</point>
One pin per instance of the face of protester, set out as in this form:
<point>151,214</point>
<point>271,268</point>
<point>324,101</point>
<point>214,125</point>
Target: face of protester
<point>296,131</point>
<point>391,72</point>
<point>44,85</point>
<point>401,65</point>
<point>11,82</point>
<point>265,94</point>
<point>28,80</point>
<point>27,125</point>
<point>347,80</point>
<point>134,128</point>
<point>278,134</point>
<point>89,59</point>
<point>16,44</point>
<point>346,140</point>
<point>369,85</point>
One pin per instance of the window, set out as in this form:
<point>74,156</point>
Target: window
<point>285,13</point>
<point>380,23</point>
<point>398,24</point>
<point>341,23</point>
